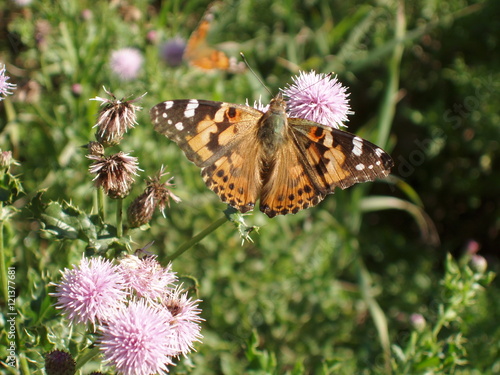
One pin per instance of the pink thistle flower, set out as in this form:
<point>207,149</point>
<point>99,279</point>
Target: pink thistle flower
<point>318,97</point>
<point>126,63</point>
<point>6,159</point>
<point>137,339</point>
<point>5,87</point>
<point>89,292</point>
<point>185,323</point>
<point>146,276</point>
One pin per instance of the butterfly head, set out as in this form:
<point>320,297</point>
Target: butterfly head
<point>277,104</point>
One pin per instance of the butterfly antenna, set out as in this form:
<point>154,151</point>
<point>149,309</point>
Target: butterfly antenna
<point>255,74</point>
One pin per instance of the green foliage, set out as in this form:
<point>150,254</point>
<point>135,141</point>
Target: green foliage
<point>434,348</point>
<point>330,290</point>
<point>66,221</point>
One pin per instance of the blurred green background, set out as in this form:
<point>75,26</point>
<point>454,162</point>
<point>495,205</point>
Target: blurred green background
<point>331,289</point>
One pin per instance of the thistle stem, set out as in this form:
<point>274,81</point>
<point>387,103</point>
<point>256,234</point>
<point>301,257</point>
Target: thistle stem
<point>193,241</point>
<point>119,217</point>
<point>100,204</point>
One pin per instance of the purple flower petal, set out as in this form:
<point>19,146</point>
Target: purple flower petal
<point>137,339</point>
<point>318,97</point>
<point>89,292</point>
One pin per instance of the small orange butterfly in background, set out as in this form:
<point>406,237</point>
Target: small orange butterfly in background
<point>199,54</point>
<point>246,154</point>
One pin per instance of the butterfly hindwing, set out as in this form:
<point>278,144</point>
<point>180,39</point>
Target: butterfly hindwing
<point>288,187</point>
<point>218,137</point>
<point>234,177</point>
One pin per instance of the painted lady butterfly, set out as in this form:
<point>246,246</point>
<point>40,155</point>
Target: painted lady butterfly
<point>245,154</point>
<point>199,54</point>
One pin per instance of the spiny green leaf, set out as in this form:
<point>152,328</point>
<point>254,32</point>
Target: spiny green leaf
<point>65,221</point>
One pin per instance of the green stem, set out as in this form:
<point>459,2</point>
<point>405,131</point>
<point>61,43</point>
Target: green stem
<point>193,241</point>
<point>100,204</point>
<point>390,98</point>
<point>119,217</point>
<point>23,364</point>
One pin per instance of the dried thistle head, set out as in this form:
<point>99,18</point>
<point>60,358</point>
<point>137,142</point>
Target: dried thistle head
<point>95,148</point>
<point>140,211</point>
<point>114,173</point>
<point>156,194</point>
<point>115,118</point>
<point>161,190</point>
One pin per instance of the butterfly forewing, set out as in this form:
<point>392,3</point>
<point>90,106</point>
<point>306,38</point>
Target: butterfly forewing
<point>219,138</point>
<point>203,129</point>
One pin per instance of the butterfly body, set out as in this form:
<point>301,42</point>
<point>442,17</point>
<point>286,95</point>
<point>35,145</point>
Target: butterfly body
<point>272,127</point>
<point>288,163</point>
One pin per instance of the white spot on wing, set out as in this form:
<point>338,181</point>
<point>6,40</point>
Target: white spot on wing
<point>379,152</point>
<point>191,106</point>
<point>179,126</point>
<point>357,146</point>
<point>169,104</point>
<point>360,167</point>
<point>164,115</point>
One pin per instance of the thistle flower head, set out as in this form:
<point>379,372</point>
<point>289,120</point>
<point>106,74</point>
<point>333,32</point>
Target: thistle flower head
<point>417,321</point>
<point>172,51</point>
<point>89,292</point>
<point>146,277</point>
<point>6,159</point>
<point>115,118</point>
<point>161,190</point>
<point>156,194</point>
<point>5,87</point>
<point>137,339</point>
<point>114,173</point>
<point>95,148</point>
<point>126,63</point>
<point>478,263</point>
<point>140,211</point>
<point>318,97</point>
<point>59,362</point>
<point>185,321</point>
